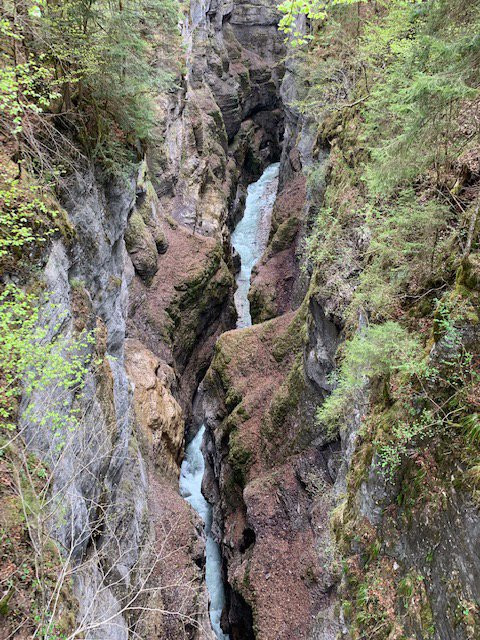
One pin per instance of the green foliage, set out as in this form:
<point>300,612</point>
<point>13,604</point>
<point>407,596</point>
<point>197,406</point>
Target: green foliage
<point>91,66</point>
<point>471,428</point>
<point>313,9</point>
<point>27,217</point>
<point>38,593</point>
<point>31,363</point>
<point>36,85</point>
<point>408,74</point>
<point>405,433</point>
<point>412,112</point>
<point>394,90</point>
<point>375,353</point>
<point>448,399</point>
<point>18,216</point>
<point>409,241</point>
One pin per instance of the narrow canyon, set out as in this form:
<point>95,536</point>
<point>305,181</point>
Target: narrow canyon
<point>230,423</point>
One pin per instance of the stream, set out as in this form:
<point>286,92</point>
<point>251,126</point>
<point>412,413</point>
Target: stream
<point>249,239</point>
<point>250,236</point>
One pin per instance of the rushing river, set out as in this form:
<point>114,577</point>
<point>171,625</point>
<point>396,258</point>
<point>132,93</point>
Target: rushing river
<point>191,476</point>
<point>251,236</point>
<point>249,239</point>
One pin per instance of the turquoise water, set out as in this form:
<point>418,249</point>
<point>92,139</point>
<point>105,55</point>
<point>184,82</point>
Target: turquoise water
<point>191,475</point>
<point>251,235</point>
<point>249,239</point>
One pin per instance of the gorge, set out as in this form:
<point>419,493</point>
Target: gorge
<point>247,242</point>
<point>239,320</point>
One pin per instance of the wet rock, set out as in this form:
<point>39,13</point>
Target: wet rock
<point>233,75</point>
<point>98,463</point>
<point>320,350</point>
<point>147,205</point>
<point>236,261</point>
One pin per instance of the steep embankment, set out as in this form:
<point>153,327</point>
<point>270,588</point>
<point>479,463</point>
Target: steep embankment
<point>390,459</point>
<point>147,265</point>
<point>269,481</point>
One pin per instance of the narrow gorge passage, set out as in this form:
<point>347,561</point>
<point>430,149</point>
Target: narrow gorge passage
<point>191,475</point>
<point>250,236</point>
<point>240,320</point>
<point>249,240</point>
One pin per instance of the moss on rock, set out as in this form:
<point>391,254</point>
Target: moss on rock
<point>284,235</point>
<point>262,304</point>
<point>197,301</point>
<point>141,246</point>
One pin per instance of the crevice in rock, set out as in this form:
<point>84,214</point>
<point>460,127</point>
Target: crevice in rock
<point>248,539</point>
<point>240,616</point>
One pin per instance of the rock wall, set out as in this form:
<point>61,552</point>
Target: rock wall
<point>150,271</point>
<point>109,514</point>
<point>270,472</point>
<point>225,124</point>
<point>269,478</point>
<point>305,518</point>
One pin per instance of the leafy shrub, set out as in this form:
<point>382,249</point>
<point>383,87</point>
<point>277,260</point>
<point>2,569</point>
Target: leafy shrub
<point>87,71</point>
<point>27,217</point>
<point>375,353</point>
<point>30,363</point>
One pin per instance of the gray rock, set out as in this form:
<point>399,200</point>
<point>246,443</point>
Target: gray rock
<point>99,489</point>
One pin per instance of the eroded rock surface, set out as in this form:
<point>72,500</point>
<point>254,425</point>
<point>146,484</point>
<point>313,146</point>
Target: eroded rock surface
<point>269,479</point>
<point>157,414</point>
<point>274,288</point>
<point>226,124</point>
<point>151,269</point>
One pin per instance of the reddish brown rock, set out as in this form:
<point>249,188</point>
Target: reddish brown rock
<point>179,314</point>
<point>275,278</point>
<point>271,482</point>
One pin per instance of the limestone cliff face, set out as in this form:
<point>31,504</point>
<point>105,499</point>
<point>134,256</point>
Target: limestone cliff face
<point>157,414</point>
<point>150,270</point>
<point>117,518</point>
<point>408,537</point>
<point>421,524</point>
<point>101,458</point>
<point>270,472</point>
<point>226,122</point>
<point>219,131</point>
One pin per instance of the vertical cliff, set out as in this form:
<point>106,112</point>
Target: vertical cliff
<point>342,428</point>
<point>146,271</point>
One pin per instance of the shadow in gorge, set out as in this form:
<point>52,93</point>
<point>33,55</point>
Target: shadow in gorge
<point>240,617</point>
<point>247,540</point>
